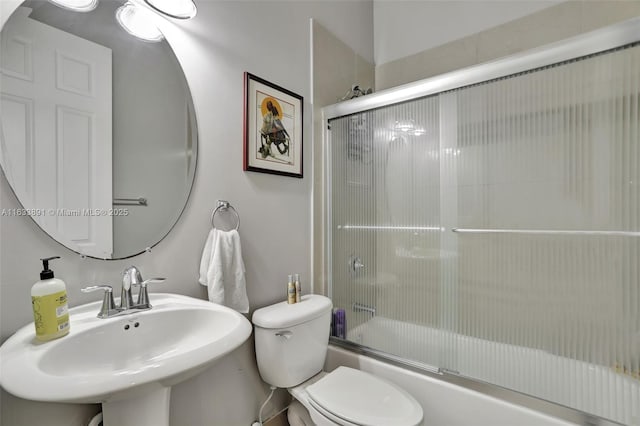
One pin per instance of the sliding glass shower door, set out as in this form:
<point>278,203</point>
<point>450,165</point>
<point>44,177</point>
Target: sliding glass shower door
<point>493,231</point>
<point>386,233</point>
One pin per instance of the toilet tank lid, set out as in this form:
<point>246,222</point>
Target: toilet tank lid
<point>283,315</point>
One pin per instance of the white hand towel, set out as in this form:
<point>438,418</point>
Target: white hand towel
<point>225,274</point>
<point>206,258</point>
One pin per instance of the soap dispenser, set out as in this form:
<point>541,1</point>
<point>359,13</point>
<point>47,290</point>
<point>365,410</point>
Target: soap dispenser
<point>49,302</point>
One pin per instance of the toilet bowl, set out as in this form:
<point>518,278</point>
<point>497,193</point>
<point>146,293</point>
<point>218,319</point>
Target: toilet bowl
<point>291,346</point>
<point>298,415</point>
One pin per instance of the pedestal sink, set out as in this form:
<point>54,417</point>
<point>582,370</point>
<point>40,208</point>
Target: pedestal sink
<point>126,363</point>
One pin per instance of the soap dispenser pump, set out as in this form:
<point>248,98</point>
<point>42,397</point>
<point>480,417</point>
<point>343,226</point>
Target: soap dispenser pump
<point>49,302</point>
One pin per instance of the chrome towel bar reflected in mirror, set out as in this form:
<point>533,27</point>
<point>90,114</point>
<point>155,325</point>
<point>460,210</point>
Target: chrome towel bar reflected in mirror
<point>140,201</point>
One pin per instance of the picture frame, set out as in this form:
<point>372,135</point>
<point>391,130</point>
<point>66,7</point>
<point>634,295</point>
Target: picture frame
<point>272,128</point>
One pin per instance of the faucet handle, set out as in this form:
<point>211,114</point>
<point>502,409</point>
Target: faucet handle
<point>108,304</point>
<point>92,288</point>
<point>143,294</point>
<point>151,281</point>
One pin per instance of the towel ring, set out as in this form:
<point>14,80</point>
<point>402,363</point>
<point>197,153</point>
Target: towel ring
<point>225,205</point>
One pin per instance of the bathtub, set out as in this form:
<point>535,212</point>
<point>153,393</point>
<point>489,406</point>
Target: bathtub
<point>564,381</point>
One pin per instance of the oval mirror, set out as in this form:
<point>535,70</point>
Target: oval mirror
<point>98,135</point>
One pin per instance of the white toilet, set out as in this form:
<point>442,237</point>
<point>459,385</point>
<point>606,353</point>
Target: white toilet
<point>291,346</point>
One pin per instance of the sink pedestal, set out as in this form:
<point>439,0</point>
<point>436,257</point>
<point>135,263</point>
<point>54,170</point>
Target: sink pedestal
<point>148,409</point>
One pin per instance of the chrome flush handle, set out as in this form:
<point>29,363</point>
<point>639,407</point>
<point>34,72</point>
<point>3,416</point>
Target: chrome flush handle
<point>285,334</point>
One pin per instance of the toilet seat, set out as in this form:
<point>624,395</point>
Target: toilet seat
<point>353,397</point>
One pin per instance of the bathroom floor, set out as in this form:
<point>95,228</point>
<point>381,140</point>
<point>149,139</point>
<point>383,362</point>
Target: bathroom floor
<point>279,420</point>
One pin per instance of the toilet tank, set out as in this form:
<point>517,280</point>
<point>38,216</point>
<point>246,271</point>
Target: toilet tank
<point>292,339</point>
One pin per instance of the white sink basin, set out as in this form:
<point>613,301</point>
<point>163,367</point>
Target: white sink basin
<point>104,360</point>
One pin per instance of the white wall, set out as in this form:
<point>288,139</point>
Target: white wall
<point>329,85</point>
<point>227,38</point>
<point>403,28</point>
<point>466,44</point>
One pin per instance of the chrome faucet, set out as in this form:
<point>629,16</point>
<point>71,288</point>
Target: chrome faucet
<point>130,277</point>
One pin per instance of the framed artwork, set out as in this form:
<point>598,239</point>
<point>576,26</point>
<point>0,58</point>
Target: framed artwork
<point>272,128</point>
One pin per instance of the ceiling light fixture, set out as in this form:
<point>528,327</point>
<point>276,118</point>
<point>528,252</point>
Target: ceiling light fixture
<point>138,22</point>
<point>179,9</point>
<point>76,5</point>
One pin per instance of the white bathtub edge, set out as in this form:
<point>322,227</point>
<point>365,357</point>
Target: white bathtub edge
<point>446,403</point>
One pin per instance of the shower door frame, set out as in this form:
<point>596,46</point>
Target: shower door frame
<point>601,40</point>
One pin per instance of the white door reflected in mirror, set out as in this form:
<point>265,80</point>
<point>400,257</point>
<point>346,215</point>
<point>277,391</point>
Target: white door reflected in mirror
<point>105,121</point>
<point>56,122</point>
